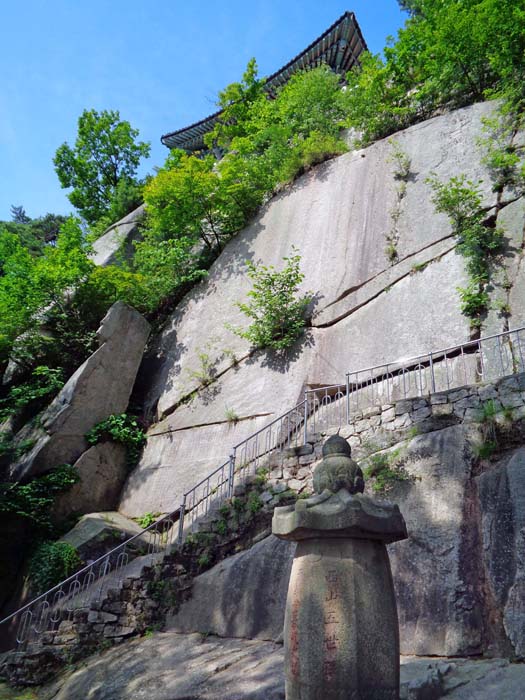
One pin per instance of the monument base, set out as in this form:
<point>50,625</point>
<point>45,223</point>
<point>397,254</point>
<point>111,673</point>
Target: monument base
<point>341,628</point>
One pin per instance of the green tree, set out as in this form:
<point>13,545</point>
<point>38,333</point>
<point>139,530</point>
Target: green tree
<point>106,154</point>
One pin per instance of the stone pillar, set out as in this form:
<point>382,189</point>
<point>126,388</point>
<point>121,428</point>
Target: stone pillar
<point>341,629</point>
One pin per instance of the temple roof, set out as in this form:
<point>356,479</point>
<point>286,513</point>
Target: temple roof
<point>339,47</point>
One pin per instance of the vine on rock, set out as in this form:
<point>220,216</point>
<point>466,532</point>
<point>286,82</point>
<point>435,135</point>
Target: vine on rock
<point>478,240</point>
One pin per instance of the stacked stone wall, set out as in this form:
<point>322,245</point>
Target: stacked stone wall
<point>380,427</point>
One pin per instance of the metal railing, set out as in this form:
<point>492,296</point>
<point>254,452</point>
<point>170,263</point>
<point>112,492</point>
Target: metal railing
<point>485,359</point>
<point>475,361</point>
<point>246,458</point>
<point>45,613</point>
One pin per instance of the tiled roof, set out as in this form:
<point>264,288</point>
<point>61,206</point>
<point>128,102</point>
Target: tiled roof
<point>339,47</point>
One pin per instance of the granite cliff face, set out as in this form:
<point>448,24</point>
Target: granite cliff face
<point>366,309</point>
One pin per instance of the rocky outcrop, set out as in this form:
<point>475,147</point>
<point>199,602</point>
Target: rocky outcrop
<point>99,388</point>
<point>170,666</point>
<point>249,593</point>
<point>438,592</point>
<point>502,501</point>
<point>116,244</point>
<point>98,533</point>
<point>458,578</point>
<point>337,215</point>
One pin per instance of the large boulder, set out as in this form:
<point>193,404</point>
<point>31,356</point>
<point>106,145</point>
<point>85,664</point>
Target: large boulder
<point>100,387</point>
<point>102,470</point>
<point>502,501</point>
<point>247,593</point>
<point>98,533</point>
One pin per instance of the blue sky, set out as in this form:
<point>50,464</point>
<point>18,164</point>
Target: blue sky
<point>159,62</point>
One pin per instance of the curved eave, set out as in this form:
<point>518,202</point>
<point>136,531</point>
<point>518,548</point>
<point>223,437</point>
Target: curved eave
<point>339,47</point>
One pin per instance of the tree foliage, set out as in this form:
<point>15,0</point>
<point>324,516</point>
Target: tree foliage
<point>51,563</point>
<point>448,54</point>
<point>102,163</point>
<point>196,203</point>
<point>123,429</point>
<point>33,501</point>
<point>51,304</point>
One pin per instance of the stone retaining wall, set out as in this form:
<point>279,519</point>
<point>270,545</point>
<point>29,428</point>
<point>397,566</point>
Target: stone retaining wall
<point>381,427</point>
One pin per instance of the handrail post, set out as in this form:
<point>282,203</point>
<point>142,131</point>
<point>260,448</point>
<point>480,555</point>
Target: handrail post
<point>181,519</point>
<point>305,418</point>
<point>347,385</point>
<point>432,375</point>
<point>231,475</point>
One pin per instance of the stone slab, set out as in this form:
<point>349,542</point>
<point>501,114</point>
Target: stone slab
<point>502,500</point>
<point>173,462</point>
<point>249,590</point>
<point>97,533</point>
<point>102,470</point>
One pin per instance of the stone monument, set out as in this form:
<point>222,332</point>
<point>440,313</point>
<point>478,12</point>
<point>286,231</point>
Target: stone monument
<point>341,629</point>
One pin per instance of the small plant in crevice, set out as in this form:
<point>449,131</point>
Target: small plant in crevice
<point>203,560</point>
<point>413,432</point>
<point>254,502</point>
<point>400,160</point>
<point>504,158</point>
<point>231,415</point>
<point>391,249</point>
<point>486,449</point>
<point>401,171</point>
<point>385,469</point>
<point>206,372</point>
<point>275,307</point>
<point>478,240</point>
<point>230,355</point>
<point>493,419</point>
<point>503,308</point>
<point>261,477</point>
<point>221,527</point>
<point>419,267</point>
<point>123,429</point>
